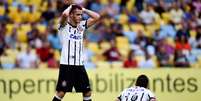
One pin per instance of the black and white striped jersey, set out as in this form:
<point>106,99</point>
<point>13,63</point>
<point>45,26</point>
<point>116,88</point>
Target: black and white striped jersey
<point>137,94</point>
<point>71,38</point>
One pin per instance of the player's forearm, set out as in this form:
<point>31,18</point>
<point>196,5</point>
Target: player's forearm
<point>92,14</point>
<point>66,11</point>
<point>65,15</point>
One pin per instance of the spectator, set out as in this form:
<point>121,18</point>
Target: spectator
<point>49,14</point>
<point>183,31</point>
<point>2,36</point>
<point>7,61</point>
<point>148,15</point>
<point>11,39</point>
<point>150,48</point>
<point>180,59</point>
<point>138,4</point>
<point>148,62</point>
<point>112,8</point>
<point>89,64</point>
<point>163,57</point>
<point>113,53</point>
<point>130,62</point>
<point>94,35</point>
<point>183,45</point>
<point>27,59</point>
<point>97,6</point>
<point>52,62</point>
<point>176,14</point>
<point>44,52</point>
<point>160,8</point>
<point>32,35</point>
<point>198,38</point>
<point>197,5</point>
<point>168,46</point>
<point>54,40</point>
<point>141,39</point>
<point>178,27</point>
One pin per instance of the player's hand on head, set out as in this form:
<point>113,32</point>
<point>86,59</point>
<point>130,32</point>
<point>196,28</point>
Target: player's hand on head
<point>83,9</point>
<point>68,2</point>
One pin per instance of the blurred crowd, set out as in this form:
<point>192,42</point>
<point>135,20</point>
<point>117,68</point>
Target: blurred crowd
<point>130,34</point>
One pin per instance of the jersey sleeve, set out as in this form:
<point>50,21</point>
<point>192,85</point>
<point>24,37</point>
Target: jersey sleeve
<point>84,24</point>
<point>151,96</point>
<point>121,95</point>
<point>60,27</point>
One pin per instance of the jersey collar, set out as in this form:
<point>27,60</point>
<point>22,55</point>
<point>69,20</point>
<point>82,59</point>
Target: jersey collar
<point>72,25</point>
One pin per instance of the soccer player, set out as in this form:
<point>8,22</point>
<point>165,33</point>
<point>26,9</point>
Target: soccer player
<point>139,92</point>
<point>72,72</point>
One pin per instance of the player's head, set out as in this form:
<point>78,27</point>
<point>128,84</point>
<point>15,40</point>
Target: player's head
<point>142,81</point>
<point>76,13</point>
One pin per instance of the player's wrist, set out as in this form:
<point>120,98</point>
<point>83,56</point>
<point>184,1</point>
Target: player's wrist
<point>84,9</point>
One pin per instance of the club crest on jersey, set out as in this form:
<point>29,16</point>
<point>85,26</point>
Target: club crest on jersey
<point>80,29</point>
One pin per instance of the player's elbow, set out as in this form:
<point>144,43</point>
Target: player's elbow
<point>97,17</point>
<point>64,14</point>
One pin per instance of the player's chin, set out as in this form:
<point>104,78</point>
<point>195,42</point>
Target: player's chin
<point>78,21</point>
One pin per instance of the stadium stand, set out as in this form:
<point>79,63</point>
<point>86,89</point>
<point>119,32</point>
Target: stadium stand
<point>143,27</point>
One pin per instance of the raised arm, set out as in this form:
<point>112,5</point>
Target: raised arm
<point>94,17</point>
<point>64,16</point>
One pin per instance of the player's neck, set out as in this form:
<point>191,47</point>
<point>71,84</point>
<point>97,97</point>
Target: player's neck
<point>72,23</point>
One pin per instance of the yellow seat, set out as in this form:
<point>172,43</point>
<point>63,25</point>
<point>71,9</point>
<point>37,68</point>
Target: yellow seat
<point>150,29</point>
<point>129,5</point>
<point>12,9</point>
<point>2,10</point>
<point>126,28</point>
<point>117,1</point>
<point>193,33</point>
<point>10,2</point>
<point>16,16</point>
<point>104,46</point>
<point>122,42</point>
<point>124,53</point>
<point>154,58</point>
<point>22,36</point>
<point>139,58</point>
<point>32,17</point>
<point>41,28</point>
<point>25,28</point>
<point>93,47</point>
<point>137,27</point>
<point>166,17</point>
<point>9,28</point>
<point>123,45</point>
<point>57,55</point>
<point>43,65</point>
<point>123,19</point>
<point>170,41</point>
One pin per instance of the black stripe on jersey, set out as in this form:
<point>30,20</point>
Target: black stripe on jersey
<point>68,52</point>
<point>72,25</point>
<point>149,97</point>
<point>79,51</point>
<point>69,29</point>
<point>119,97</point>
<point>141,96</point>
<point>75,54</point>
<point>75,31</point>
<point>86,24</point>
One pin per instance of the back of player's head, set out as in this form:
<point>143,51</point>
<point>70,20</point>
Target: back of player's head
<point>74,7</point>
<point>142,81</point>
